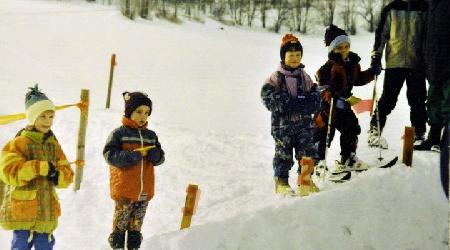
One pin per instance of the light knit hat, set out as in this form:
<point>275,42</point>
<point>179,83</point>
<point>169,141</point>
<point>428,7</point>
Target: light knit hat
<point>36,102</point>
<point>334,36</point>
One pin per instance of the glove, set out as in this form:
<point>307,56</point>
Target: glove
<point>53,174</point>
<point>375,64</point>
<point>352,100</point>
<point>154,155</point>
<point>375,69</point>
<point>376,59</point>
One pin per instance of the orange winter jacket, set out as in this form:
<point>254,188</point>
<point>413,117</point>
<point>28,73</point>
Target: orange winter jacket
<point>28,199</point>
<point>130,174</point>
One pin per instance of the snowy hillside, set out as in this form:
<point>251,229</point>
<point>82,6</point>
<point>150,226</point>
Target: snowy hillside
<point>205,84</point>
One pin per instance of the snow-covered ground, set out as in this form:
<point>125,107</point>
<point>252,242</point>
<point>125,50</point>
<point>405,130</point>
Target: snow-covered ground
<point>205,84</point>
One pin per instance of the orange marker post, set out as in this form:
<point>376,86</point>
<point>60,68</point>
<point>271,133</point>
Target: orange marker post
<point>192,196</point>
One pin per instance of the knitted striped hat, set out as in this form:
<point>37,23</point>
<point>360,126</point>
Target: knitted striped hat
<point>36,102</point>
<point>335,36</point>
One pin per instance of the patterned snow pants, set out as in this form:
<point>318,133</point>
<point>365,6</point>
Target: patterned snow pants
<point>296,138</point>
<point>129,215</point>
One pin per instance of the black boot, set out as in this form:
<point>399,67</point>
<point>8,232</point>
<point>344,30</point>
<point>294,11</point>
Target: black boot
<point>433,140</point>
<point>134,240</point>
<point>117,240</point>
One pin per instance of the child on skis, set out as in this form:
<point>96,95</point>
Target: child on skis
<point>31,166</point>
<point>132,151</point>
<point>292,97</point>
<point>340,73</point>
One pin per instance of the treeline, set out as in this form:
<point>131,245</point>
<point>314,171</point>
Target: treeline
<point>295,15</point>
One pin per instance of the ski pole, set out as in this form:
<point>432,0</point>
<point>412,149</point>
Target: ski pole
<point>377,115</point>
<point>327,144</point>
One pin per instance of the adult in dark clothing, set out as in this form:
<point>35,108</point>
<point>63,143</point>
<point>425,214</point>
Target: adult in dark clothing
<point>402,31</point>
<point>437,60</point>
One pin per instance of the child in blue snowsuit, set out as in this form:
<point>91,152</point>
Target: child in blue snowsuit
<point>292,97</point>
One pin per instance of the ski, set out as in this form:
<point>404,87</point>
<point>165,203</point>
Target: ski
<point>346,176</point>
<point>389,164</point>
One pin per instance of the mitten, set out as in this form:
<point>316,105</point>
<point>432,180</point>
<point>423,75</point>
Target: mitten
<point>53,174</point>
<point>352,100</point>
<point>154,155</point>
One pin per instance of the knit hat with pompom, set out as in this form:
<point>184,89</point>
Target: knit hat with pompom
<point>36,102</point>
<point>335,36</point>
<point>289,43</point>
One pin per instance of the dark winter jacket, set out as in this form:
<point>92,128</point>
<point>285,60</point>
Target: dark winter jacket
<point>341,76</point>
<point>402,30</point>
<point>130,173</point>
<point>279,93</point>
<point>437,48</point>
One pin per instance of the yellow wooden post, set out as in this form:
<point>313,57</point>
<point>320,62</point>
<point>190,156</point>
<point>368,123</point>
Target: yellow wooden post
<point>111,75</point>
<point>189,206</point>
<point>84,110</point>
<point>408,145</point>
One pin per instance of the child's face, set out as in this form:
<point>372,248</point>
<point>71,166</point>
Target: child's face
<point>293,59</point>
<point>343,49</point>
<point>140,115</point>
<point>44,121</point>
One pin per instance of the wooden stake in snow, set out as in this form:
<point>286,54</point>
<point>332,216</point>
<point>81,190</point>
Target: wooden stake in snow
<point>190,205</point>
<point>408,145</point>
<point>84,108</point>
<point>111,75</point>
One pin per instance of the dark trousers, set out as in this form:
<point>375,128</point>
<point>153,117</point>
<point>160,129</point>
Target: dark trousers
<point>345,121</point>
<point>416,93</point>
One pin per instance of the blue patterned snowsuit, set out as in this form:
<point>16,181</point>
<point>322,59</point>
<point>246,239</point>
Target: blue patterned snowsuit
<point>292,98</point>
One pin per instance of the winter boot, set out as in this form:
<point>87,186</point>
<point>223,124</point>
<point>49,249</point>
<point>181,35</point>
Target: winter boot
<point>305,183</point>
<point>433,140</point>
<point>134,240</point>
<point>419,138</point>
<point>351,163</point>
<point>375,139</point>
<point>117,240</point>
<point>321,168</point>
<point>282,186</point>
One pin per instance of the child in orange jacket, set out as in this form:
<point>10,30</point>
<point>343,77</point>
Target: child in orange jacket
<point>132,178</point>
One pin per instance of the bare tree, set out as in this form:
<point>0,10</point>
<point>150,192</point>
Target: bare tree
<point>264,7</point>
<point>367,11</point>
<point>282,9</point>
<point>326,9</point>
<point>218,9</point>
<point>297,14</point>
<point>348,15</point>
<point>251,12</point>
<point>307,6</point>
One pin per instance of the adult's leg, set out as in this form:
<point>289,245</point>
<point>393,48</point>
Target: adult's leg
<point>416,93</point>
<point>393,82</point>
